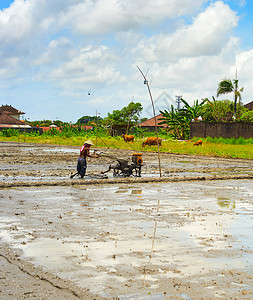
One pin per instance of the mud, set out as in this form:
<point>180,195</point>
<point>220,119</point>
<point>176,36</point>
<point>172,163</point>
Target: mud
<point>33,164</point>
<point>185,236</point>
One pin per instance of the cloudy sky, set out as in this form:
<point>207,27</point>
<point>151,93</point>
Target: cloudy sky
<point>53,53</point>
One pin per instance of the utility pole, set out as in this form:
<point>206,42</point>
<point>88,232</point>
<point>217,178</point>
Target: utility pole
<point>178,101</point>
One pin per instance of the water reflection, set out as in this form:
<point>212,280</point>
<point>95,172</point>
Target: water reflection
<point>137,240</point>
<point>223,202</point>
<point>136,192</point>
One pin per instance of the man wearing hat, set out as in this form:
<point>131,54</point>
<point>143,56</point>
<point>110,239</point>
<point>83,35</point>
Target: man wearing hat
<point>84,152</point>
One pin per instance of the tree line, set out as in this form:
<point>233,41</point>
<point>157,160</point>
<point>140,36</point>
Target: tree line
<point>177,120</point>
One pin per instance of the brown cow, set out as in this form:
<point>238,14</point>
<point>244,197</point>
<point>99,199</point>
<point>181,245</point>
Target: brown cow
<point>198,143</point>
<point>152,141</point>
<point>128,138</point>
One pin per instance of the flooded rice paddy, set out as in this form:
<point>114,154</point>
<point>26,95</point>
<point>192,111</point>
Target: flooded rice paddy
<point>130,240</point>
<point>134,242</point>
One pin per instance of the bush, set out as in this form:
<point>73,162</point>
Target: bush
<point>222,111</point>
<point>247,117</point>
<point>8,132</point>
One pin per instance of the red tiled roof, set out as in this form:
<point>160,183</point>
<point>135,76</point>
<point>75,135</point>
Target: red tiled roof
<point>10,110</point>
<point>249,105</point>
<point>58,128</point>
<point>86,127</point>
<point>6,119</point>
<point>151,122</point>
<point>48,128</point>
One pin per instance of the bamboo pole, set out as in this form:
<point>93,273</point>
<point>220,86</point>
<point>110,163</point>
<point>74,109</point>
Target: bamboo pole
<point>151,98</point>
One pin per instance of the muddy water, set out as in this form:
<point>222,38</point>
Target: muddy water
<point>184,240</point>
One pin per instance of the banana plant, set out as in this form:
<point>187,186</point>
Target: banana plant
<point>192,112</point>
<point>176,121</point>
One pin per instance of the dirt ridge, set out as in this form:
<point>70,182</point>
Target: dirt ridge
<point>122,180</point>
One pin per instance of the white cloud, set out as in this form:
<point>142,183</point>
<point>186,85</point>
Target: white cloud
<point>83,67</point>
<point>25,19</point>
<point>103,16</point>
<point>206,36</point>
<point>57,50</point>
<point>244,63</point>
<point>7,65</point>
<point>78,45</point>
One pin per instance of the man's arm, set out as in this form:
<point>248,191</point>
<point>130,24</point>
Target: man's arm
<point>92,155</point>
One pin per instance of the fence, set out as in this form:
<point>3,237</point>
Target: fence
<point>222,129</point>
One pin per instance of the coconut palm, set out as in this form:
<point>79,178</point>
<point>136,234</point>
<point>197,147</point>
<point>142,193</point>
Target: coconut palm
<point>227,86</point>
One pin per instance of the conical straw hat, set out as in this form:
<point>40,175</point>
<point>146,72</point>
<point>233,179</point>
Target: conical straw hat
<point>89,142</point>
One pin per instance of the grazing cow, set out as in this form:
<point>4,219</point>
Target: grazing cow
<point>198,143</point>
<point>128,138</point>
<point>152,141</point>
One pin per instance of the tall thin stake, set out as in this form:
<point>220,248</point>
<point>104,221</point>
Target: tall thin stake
<point>96,128</point>
<point>151,98</point>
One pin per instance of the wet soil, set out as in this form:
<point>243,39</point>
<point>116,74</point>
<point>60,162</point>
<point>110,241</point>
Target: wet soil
<point>139,238</point>
<point>50,164</point>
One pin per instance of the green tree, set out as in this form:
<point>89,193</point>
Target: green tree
<point>143,119</point>
<point>221,110</point>
<point>227,86</point>
<point>41,123</point>
<point>58,123</point>
<point>89,119</point>
<point>127,115</point>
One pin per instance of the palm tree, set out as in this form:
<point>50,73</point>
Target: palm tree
<point>226,86</point>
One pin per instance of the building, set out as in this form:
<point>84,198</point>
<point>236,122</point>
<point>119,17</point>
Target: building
<point>10,119</point>
<point>11,111</point>
<point>119,129</point>
<point>150,123</point>
<point>249,105</point>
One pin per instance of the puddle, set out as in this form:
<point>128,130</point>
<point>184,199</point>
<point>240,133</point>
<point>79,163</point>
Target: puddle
<point>57,150</point>
<point>133,239</point>
<point>62,150</point>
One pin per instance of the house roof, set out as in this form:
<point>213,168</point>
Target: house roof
<point>8,109</point>
<point>15,126</point>
<point>7,119</point>
<point>151,122</point>
<point>249,105</point>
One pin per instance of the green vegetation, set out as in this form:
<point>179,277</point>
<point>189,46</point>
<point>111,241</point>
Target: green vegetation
<point>230,141</point>
<point>88,120</point>
<point>247,116</point>
<point>228,148</point>
<point>207,111</point>
<point>226,86</point>
<point>174,138</point>
<point>127,115</point>
<point>222,111</point>
<point>179,119</point>
<point>46,123</point>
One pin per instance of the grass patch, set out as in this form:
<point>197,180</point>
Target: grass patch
<point>227,148</point>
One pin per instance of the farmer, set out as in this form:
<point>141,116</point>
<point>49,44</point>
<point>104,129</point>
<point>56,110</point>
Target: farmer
<point>84,152</point>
